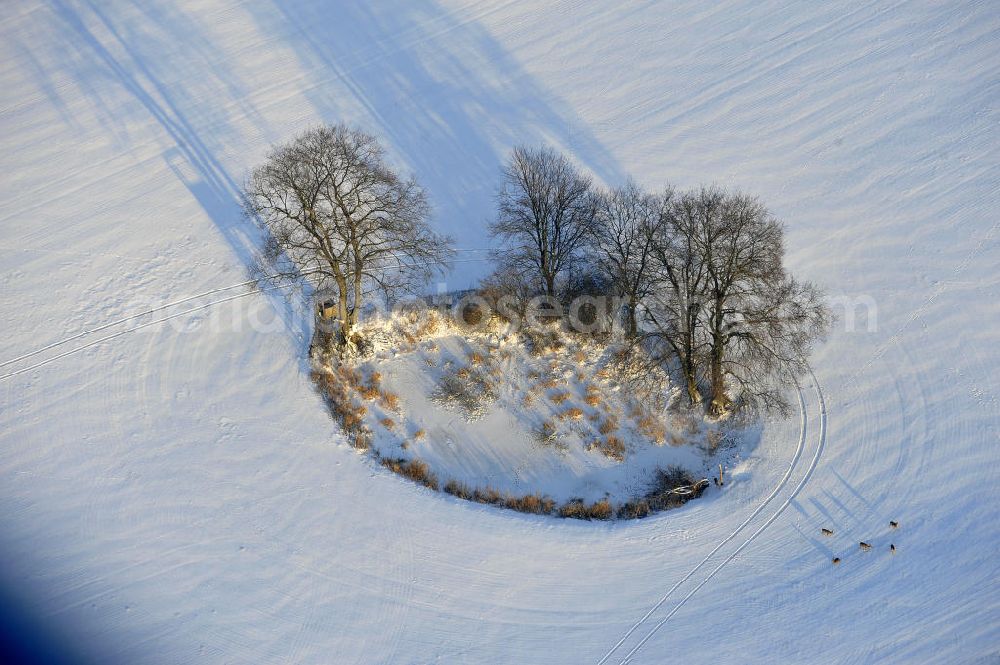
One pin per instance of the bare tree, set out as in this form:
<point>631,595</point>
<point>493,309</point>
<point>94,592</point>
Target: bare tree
<point>766,347</point>
<point>673,308</point>
<point>625,228</point>
<point>545,207</point>
<point>759,322</point>
<point>334,209</point>
<point>721,303</point>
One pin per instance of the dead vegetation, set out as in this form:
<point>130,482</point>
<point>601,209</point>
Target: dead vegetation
<point>415,470</point>
<point>610,446</point>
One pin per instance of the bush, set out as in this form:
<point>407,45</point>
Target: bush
<point>664,494</point>
<point>572,413</point>
<point>631,510</point>
<point>455,488</point>
<point>611,447</point>
<point>547,432</point>
<point>609,425</point>
<point>530,503</point>
<point>559,397</point>
<point>415,470</point>
<point>473,394</point>
<point>577,509</point>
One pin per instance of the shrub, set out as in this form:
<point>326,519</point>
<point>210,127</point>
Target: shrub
<point>472,395</point>
<point>664,494</point>
<point>456,488</point>
<point>477,358</point>
<point>631,510</point>
<point>609,425</point>
<point>653,428</point>
<point>592,399</point>
<point>388,423</point>
<point>487,495</point>
<point>415,470</point>
<point>573,509</point>
<point>547,432</point>
<point>611,447</point>
<point>389,400</point>
<point>577,509</point>
<point>600,510</point>
<point>419,434</point>
<point>572,413</point>
<point>559,397</point>
<point>530,503</point>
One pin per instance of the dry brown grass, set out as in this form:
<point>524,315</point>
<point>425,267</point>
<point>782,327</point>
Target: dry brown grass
<point>609,425</point>
<point>591,399</point>
<point>579,356</point>
<point>535,504</point>
<point>653,428</point>
<point>388,423</point>
<point>337,386</point>
<point>415,470</point>
<point>419,435</point>
<point>477,358</point>
<point>577,509</point>
<point>559,397</point>
<point>610,446</point>
<point>547,432</point>
<point>572,413</point>
<point>389,400</point>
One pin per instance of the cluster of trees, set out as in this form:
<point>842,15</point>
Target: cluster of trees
<point>699,273</point>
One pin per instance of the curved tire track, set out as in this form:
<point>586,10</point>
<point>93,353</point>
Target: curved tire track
<point>774,492</point>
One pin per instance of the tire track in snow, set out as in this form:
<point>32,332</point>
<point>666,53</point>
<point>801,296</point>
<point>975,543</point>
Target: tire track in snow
<point>798,488</point>
<point>803,421</point>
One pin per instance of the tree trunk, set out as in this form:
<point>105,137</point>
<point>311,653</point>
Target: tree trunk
<point>343,317</point>
<point>694,395</point>
<point>633,325</point>
<point>720,401</point>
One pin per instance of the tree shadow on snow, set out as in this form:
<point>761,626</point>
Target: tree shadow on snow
<point>448,99</point>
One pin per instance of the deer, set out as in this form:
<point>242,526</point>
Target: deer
<point>892,548</point>
<point>836,560</point>
<point>827,532</point>
<point>864,546</point>
<point>894,524</point>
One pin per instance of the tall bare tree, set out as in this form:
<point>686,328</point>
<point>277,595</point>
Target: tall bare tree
<point>545,206</point>
<point>759,321</point>
<point>674,307</point>
<point>624,231</point>
<point>332,207</point>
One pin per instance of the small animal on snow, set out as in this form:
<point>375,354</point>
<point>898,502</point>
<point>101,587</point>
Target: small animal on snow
<point>827,532</point>
<point>864,546</point>
<point>836,560</point>
<point>894,524</point>
<point>892,548</point>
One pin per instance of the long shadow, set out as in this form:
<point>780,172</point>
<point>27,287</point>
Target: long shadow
<point>447,97</point>
<point>131,59</point>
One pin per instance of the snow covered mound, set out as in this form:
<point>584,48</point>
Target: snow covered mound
<point>536,412</point>
<point>178,494</point>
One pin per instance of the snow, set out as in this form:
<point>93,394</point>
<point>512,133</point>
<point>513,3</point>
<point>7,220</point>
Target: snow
<point>492,434</point>
<point>178,493</point>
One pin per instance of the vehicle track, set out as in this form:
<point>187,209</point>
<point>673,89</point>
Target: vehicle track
<point>802,483</point>
<point>803,419</point>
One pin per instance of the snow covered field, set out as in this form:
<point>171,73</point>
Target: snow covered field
<point>178,493</point>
